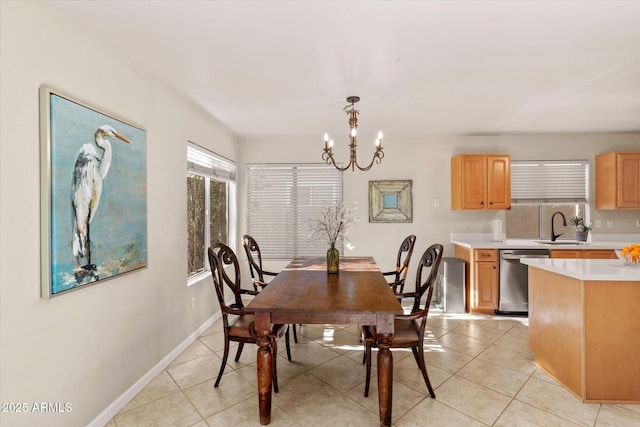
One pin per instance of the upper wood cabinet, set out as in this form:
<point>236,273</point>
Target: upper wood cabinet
<point>618,181</point>
<point>481,181</point>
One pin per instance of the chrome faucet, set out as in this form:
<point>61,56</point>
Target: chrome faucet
<point>564,222</point>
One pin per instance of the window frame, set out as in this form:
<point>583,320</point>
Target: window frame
<point>212,166</point>
<point>309,188</point>
<point>549,181</point>
<point>566,192</point>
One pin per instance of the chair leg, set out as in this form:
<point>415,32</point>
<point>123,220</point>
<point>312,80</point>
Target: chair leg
<point>295,334</point>
<point>423,367</point>
<point>367,356</point>
<point>274,369</point>
<point>240,347</point>
<point>416,356</point>
<point>287,341</point>
<point>224,360</point>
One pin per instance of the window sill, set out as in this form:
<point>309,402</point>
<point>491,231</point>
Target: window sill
<point>197,278</point>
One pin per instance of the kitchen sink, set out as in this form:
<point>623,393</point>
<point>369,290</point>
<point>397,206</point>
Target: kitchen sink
<point>563,242</point>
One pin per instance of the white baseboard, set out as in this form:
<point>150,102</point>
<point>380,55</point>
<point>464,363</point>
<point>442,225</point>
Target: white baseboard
<point>110,411</point>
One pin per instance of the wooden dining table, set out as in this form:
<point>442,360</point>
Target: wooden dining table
<point>305,293</point>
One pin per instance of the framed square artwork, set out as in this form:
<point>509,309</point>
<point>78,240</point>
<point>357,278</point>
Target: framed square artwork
<point>390,201</point>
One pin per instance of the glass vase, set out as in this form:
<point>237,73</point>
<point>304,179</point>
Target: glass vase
<point>333,259</point>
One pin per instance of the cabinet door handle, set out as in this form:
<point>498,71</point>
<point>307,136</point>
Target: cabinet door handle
<point>490,203</point>
<point>482,203</point>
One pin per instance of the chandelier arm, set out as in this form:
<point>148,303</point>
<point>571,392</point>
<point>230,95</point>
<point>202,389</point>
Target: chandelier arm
<point>328,158</point>
<point>377,158</point>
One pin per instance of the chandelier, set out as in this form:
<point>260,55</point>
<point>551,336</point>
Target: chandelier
<point>327,156</point>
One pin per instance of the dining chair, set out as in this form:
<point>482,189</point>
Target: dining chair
<point>409,328</point>
<point>254,258</point>
<point>402,264</point>
<point>238,324</point>
<point>258,273</point>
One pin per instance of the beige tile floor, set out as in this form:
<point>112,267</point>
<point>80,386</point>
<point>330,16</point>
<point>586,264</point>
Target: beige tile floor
<point>480,367</point>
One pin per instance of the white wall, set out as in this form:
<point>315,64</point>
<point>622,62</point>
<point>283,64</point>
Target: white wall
<point>426,161</point>
<point>89,346</point>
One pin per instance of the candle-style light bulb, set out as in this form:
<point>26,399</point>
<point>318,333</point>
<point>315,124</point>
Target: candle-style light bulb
<point>380,135</point>
<point>326,137</point>
<point>331,143</point>
<point>353,132</point>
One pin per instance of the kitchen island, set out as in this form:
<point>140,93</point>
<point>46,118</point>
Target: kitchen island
<point>584,326</point>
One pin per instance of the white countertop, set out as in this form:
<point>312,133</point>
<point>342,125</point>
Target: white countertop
<point>587,269</point>
<point>483,241</point>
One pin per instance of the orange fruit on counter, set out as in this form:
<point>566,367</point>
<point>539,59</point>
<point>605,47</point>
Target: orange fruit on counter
<point>631,253</point>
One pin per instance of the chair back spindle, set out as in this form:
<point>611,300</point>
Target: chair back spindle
<point>428,265</point>
<point>254,259</point>
<point>402,264</point>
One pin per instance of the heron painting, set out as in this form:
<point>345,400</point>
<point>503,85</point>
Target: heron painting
<point>94,183</point>
<point>90,170</point>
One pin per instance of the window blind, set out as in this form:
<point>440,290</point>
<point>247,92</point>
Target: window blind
<point>549,181</point>
<point>281,198</point>
<point>205,162</point>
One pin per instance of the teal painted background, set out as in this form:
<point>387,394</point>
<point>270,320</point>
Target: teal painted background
<point>119,228</point>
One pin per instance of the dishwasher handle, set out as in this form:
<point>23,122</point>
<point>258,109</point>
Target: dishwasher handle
<point>511,256</point>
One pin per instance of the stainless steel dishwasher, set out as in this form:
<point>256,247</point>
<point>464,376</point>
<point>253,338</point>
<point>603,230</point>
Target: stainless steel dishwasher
<point>514,280</point>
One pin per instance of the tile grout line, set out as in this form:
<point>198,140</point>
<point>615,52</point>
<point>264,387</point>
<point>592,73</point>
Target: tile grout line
<point>468,363</point>
<point>513,398</point>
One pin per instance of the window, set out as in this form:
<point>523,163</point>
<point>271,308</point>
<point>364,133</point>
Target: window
<point>281,198</point>
<point>540,188</point>
<point>210,205</point>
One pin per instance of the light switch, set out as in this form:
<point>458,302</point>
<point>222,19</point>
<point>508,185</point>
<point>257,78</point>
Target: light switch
<point>609,223</point>
<point>436,202</point>
<point>598,223</point>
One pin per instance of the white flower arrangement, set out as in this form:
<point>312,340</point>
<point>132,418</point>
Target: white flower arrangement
<point>334,224</point>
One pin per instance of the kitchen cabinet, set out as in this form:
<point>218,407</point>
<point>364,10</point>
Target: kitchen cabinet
<point>618,181</point>
<point>481,279</point>
<point>564,253</point>
<point>481,181</point>
<point>486,280</point>
<point>583,253</point>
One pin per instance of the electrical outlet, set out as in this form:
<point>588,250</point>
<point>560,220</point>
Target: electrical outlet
<point>598,223</point>
<point>638,222</point>
<point>609,223</point>
<point>193,303</point>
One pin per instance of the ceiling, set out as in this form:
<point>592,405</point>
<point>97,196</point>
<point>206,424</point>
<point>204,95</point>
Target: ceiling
<point>272,68</point>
